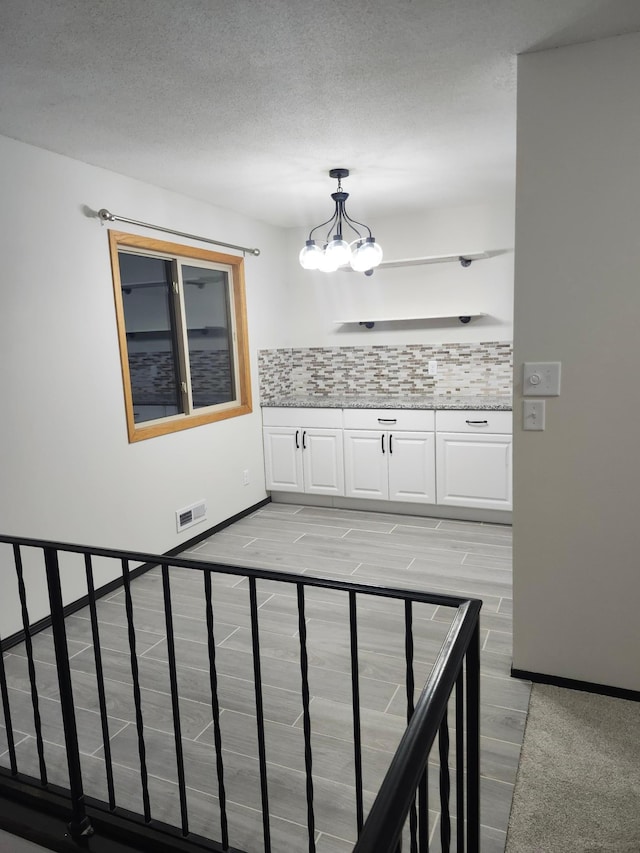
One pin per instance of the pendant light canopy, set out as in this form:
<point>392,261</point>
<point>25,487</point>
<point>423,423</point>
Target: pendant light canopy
<point>363,254</point>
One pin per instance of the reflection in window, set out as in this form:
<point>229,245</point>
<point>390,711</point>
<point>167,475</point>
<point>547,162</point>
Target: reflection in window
<point>182,329</point>
<point>209,334</point>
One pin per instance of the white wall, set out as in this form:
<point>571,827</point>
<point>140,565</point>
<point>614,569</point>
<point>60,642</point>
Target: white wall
<point>317,299</point>
<point>67,471</point>
<point>577,300</point>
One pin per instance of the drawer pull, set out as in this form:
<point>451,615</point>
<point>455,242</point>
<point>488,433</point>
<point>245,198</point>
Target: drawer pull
<point>387,420</point>
<point>477,423</point>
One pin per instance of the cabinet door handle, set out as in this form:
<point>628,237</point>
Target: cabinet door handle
<point>477,423</point>
<point>390,443</point>
<point>297,442</point>
<point>387,420</point>
<point>382,442</point>
<point>304,433</point>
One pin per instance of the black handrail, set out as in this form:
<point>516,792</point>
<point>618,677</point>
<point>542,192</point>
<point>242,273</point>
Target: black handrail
<point>404,793</point>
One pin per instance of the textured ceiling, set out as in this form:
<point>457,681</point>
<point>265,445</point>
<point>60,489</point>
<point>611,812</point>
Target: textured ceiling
<point>248,103</point>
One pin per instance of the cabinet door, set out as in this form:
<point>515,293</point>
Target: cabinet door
<point>474,470</point>
<point>365,464</point>
<point>322,461</point>
<point>283,459</point>
<point>412,467</point>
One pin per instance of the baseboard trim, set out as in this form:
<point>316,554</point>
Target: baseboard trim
<point>491,516</point>
<point>112,586</point>
<point>574,684</point>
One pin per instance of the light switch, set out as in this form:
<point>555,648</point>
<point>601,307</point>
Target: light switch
<point>432,367</point>
<point>541,379</point>
<point>533,414</point>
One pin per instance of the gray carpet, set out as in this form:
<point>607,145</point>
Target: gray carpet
<point>578,784</point>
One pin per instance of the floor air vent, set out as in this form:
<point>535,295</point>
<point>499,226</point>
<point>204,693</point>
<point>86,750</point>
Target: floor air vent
<point>190,515</point>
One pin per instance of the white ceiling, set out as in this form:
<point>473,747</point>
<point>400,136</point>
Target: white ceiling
<point>248,103</point>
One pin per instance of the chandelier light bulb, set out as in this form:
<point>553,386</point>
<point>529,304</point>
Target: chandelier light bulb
<point>328,262</point>
<point>310,255</point>
<point>366,255</point>
<point>338,250</point>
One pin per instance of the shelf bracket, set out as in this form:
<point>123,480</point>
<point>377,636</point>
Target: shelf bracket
<point>464,318</point>
<point>367,324</point>
<point>464,262</point>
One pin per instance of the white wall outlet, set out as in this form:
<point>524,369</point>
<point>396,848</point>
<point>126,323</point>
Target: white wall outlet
<point>533,414</point>
<point>541,379</point>
<point>433,367</point>
<point>245,477</point>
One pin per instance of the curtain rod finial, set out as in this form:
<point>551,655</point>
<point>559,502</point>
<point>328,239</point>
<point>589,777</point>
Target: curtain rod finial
<point>105,216</point>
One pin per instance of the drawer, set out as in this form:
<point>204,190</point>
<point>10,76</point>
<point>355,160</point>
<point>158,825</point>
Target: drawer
<point>476,421</point>
<point>289,416</point>
<point>414,420</point>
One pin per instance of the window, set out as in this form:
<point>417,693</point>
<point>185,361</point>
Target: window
<point>183,334</point>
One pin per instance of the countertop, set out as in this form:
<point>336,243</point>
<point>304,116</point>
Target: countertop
<point>479,402</point>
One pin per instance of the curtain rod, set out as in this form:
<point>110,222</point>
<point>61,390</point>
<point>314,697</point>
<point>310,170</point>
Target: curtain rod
<point>106,216</point>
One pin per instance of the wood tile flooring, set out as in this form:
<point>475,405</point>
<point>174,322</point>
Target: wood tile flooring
<point>370,548</point>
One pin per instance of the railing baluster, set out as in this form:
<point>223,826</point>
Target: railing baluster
<point>257,674</point>
<point>215,708</point>
<point>423,811</point>
<point>175,703</point>
<point>460,834</point>
<point>97,654</point>
<point>37,722</point>
<point>473,742</point>
<point>355,693</point>
<point>80,824</point>
<point>142,752</point>
<point>445,785</point>
<point>304,672</point>
<point>408,642</point>
<point>6,707</point>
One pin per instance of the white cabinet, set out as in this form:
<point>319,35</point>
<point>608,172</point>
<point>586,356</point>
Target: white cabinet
<point>303,450</point>
<point>366,468</point>
<point>473,459</point>
<point>283,462</point>
<point>389,455</point>
<point>452,458</point>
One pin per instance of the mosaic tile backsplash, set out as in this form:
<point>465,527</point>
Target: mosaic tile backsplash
<point>474,368</point>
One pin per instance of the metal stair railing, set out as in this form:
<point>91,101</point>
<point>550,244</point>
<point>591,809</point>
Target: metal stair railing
<point>400,812</point>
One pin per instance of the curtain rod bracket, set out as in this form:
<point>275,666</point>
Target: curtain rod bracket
<point>105,215</point>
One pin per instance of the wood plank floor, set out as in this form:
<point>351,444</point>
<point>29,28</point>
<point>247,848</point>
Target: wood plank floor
<point>370,548</point>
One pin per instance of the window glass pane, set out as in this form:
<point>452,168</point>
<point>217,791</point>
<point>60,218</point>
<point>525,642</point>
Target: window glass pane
<point>151,342</point>
<point>209,334</point>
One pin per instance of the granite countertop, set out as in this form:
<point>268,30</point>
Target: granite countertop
<point>484,402</point>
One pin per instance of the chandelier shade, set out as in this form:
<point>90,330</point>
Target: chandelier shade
<point>333,251</point>
<point>311,255</point>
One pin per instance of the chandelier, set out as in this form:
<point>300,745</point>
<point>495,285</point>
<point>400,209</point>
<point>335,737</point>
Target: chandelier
<point>362,254</point>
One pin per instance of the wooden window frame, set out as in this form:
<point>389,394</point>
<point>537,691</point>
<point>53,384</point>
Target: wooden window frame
<point>176,423</point>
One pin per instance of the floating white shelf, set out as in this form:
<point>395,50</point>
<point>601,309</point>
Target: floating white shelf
<point>463,258</point>
<point>463,317</point>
